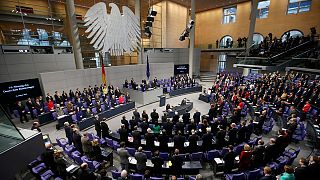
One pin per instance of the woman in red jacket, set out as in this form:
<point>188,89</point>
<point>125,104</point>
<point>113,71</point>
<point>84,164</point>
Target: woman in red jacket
<point>50,105</point>
<point>245,158</point>
<point>121,99</point>
<point>305,111</point>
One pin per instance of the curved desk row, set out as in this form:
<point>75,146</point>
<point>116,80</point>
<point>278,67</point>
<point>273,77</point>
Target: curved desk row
<point>188,168</point>
<point>181,109</point>
<point>178,92</point>
<point>87,122</point>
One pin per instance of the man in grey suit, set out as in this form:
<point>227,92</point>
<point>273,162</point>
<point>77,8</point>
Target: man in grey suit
<point>86,145</point>
<point>141,158</point>
<point>124,155</point>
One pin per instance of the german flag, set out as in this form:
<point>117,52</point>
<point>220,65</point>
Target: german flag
<point>104,80</point>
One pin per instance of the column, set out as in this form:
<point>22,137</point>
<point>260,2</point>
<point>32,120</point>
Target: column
<point>253,16</point>
<point>73,33</point>
<point>137,8</point>
<point>192,34</point>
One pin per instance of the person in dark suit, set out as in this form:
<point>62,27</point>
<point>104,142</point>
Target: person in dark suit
<point>314,167</point>
<point>60,166</point>
<point>168,127</point>
<point>157,161</point>
<point>220,137</point>
<point>133,122</point>
<point>242,133</point>
<point>229,160</point>
<point>97,126</point>
<point>191,126</point>
<point>193,147</point>
<point>282,141</point>
<point>125,122</point>
<point>163,139</point>
<point>85,174</point>
<point>145,115</point>
<point>123,134</point>
<point>136,137</point>
<point>177,163</point>
<point>258,154</point>
<point>149,136</point>
<point>196,116</point>
<point>180,126</point>
<point>144,126</point>
<point>104,128</point>
<point>154,116</point>
<point>168,107</point>
<point>141,160</point>
<point>267,174</point>
<point>22,112</point>
<point>179,141</point>
<point>47,156</point>
<point>270,153</point>
<point>77,140</point>
<point>136,114</point>
<point>68,132</point>
<point>30,106</point>
<point>186,118</point>
<point>233,134</point>
<point>207,140</point>
<point>175,118</point>
<point>302,172</point>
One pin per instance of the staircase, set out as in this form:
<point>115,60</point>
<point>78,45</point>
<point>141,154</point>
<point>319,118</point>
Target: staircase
<point>208,77</point>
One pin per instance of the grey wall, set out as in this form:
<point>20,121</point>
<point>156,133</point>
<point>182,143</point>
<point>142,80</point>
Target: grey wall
<point>176,56</point>
<point>116,75</point>
<point>18,157</point>
<point>15,67</point>
<point>229,66</point>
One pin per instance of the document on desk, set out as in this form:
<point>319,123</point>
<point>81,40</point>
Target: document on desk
<point>157,143</point>
<point>68,169</point>
<point>143,142</point>
<point>218,160</point>
<point>186,144</point>
<point>62,116</point>
<point>132,160</point>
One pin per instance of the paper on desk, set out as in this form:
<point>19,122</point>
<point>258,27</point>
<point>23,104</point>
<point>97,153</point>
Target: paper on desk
<point>218,160</point>
<point>186,144</point>
<point>68,169</point>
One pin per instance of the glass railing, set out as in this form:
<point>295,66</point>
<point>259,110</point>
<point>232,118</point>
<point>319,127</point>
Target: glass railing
<point>9,134</point>
<point>252,61</point>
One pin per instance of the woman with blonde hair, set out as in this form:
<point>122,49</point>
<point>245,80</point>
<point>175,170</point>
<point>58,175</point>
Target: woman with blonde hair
<point>245,158</point>
<point>97,150</point>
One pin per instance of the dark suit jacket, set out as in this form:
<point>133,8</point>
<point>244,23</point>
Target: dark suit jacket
<point>177,163</point>
<point>141,160</point>
<point>196,117</point>
<point>301,173</point>
<point>233,136</point>
<point>149,141</point>
<point>229,161</point>
<point>207,141</point>
<point>154,116</point>
<point>123,134</point>
<point>179,142</point>
<point>270,153</point>
<point>157,162</point>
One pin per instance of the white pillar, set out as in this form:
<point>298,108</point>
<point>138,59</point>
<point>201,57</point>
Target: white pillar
<point>137,11</point>
<point>192,34</point>
<point>253,16</point>
<point>73,32</point>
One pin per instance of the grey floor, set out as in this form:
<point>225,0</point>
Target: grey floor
<point>114,124</point>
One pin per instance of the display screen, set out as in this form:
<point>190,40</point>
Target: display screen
<point>13,91</point>
<point>181,69</point>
